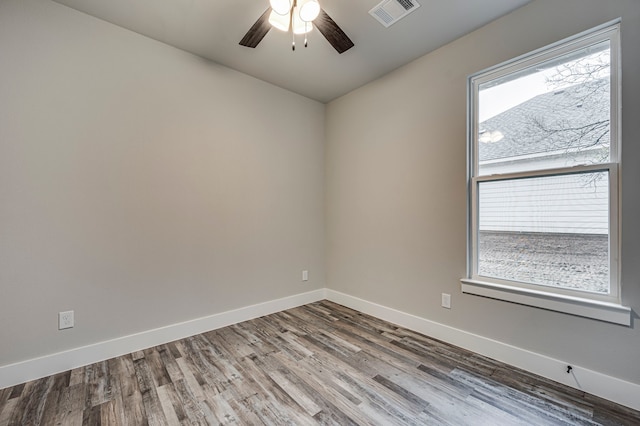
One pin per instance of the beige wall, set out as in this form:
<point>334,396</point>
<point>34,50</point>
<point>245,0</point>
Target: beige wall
<point>396,189</point>
<point>142,186</point>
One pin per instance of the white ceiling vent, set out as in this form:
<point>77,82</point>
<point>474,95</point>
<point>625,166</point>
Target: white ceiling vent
<point>391,11</point>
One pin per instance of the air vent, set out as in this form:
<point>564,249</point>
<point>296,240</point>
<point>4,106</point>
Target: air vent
<point>391,11</point>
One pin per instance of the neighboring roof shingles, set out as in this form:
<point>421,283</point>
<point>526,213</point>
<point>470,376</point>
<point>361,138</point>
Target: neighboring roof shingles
<point>576,117</point>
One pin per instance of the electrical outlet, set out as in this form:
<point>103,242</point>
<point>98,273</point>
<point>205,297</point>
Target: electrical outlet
<point>446,300</point>
<point>305,275</point>
<point>65,320</point>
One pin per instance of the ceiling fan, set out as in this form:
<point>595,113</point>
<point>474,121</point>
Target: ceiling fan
<point>299,17</point>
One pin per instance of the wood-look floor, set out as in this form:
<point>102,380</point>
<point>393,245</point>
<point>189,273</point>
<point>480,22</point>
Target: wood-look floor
<point>317,364</point>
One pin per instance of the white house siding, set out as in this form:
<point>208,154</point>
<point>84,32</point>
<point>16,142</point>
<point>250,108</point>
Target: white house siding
<point>575,204</point>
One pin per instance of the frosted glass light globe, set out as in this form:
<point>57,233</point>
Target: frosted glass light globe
<point>281,7</point>
<point>280,22</point>
<point>308,10</point>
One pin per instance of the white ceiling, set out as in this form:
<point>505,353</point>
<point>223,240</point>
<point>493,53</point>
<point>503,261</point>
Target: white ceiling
<point>212,29</point>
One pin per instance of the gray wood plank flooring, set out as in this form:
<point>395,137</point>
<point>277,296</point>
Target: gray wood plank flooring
<point>317,364</point>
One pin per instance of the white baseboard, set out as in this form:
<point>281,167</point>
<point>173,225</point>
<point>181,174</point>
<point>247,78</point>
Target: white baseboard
<point>590,381</point>
<point>602,385</point>
<point>32,369</point>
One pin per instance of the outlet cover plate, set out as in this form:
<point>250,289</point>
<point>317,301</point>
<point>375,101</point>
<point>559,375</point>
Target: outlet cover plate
<point>446,300</point>
<point>65,320</point>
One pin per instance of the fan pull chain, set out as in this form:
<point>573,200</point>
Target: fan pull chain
<point>306,32</point>
<point>293,34</point>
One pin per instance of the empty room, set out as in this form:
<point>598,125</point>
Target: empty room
<point>407,212</point>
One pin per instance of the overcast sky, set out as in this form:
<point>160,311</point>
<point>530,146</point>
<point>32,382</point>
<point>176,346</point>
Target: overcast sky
<point>499,98</point>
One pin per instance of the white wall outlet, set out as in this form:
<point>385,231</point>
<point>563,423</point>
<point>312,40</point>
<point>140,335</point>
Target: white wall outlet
<point>305,275</point>
<point>446,300</point>
<point>65,320</point>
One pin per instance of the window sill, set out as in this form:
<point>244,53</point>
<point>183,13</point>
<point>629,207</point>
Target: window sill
<point>603,311</point>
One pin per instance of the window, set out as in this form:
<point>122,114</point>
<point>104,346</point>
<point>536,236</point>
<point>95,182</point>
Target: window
<point>543,185</point>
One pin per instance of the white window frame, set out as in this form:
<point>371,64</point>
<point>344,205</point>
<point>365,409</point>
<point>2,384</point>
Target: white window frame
<point>598,306</point>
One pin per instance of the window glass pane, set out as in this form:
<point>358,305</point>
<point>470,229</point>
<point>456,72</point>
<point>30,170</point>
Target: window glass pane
<point>555,114</point>
<point>550,230</point>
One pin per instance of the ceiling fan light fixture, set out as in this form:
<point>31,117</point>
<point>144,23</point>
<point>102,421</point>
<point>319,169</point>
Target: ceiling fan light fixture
<point>281,7</point>
<point>300,26</point>
<point>308,10</point>
<point>280,22</point>
<point>298,22</point>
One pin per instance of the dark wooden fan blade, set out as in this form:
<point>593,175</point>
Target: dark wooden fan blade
<point>257,32</point>
<point>332,32</point>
